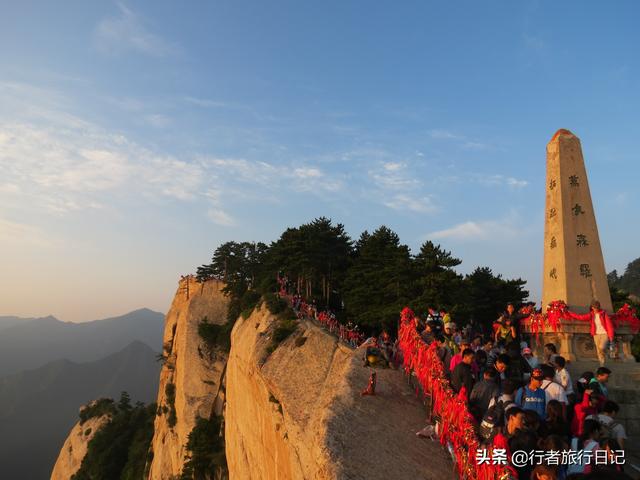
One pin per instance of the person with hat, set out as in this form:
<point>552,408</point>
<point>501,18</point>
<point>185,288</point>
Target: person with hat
<point>601,328</point>
<point>532,396</point>
<point>449,332</point>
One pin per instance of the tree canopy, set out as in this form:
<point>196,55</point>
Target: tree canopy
<point>367,281</point>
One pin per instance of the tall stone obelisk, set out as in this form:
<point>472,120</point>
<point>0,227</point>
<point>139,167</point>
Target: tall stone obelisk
<point>573,265</point>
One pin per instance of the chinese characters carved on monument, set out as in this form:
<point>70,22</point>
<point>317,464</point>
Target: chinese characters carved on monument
<point>581,240</point>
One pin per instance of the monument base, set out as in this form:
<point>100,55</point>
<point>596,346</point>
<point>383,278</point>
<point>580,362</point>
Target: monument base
<point>575,343</point>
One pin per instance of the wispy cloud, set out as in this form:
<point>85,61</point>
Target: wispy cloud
<point>127,32</point>
<point>205,102</point>
<point>410,203</point>
<point>506,228</point>
<point>462,141</point>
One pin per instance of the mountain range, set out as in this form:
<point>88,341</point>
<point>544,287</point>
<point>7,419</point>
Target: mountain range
<point>31,343</point>
<point>50,368</point>
<point>38,407</point>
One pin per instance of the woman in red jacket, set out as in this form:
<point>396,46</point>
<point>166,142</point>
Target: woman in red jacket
<point>601,328</point>
<point>582,410</point>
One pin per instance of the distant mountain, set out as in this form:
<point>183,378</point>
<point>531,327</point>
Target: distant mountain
<point>629,281</point>
<point>39,407</point>
<point>31,343</point>
<point>6,322</point>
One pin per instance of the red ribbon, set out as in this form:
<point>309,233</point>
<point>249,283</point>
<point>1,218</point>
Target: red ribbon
<point>456,423</point>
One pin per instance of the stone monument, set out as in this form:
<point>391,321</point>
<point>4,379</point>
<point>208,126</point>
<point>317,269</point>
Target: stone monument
<point>574,268</point>
<point>573,265</point>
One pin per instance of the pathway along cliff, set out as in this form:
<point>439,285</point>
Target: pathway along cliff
<point>291,410</point>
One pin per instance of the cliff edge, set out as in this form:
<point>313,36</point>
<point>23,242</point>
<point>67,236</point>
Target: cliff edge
<point>297,413</point>
<point>75,447</point>
<point>191,379</point>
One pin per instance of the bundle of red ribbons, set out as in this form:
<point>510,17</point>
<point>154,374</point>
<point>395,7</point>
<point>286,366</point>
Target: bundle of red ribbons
<point>558,310</point>
<point>456,423</point>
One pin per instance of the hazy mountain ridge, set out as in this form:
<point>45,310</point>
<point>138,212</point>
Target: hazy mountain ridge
<point>38,407</point>
<point>31,343</point>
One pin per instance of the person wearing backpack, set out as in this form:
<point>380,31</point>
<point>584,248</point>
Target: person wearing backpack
<point>532,396</point>
<point>587,443</point>
<point>482,394</point>
<point>610,427</point>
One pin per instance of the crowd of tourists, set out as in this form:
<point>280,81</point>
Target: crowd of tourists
<point>349,333</point>
<point>524,402</point>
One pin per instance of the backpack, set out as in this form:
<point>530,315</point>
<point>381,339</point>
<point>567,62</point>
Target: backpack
<point>607,429</point>
<point>493,419</point>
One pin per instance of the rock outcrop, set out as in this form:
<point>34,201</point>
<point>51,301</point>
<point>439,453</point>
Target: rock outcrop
<point>297,413</point>
<point>75,447</point>
<point>191,379</point>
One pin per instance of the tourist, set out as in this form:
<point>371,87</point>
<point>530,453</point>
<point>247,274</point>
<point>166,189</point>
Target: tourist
<point>599,382</point>
<point>555,423</point>
<point>531,396</point>
<point>518,367</point>
<point>553,390</point>
<point>549,352</point>
<point>462,376</point>
<point>610,427</point>
<point>501,365</point>
<point>555,445</point>
<point>506,332</point>
<point>514,424</point>
<point>601,328</point>
<point>449,332</point>
<point>483,392</point>
<point>444,353</point>
<point>588,406</point>
<point>563,378</point>
<point>585,444</point>
<point>479,365</point>
<point>457,358</point>
<point>476,343</point>
<point>507,397</point>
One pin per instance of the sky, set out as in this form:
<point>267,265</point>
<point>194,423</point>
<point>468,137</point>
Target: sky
<point>135,137</point>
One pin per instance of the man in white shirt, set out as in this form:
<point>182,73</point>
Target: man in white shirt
<point>563,377</point>
<point>553,390</point>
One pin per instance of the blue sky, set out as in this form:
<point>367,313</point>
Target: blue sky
<point>135,137</point>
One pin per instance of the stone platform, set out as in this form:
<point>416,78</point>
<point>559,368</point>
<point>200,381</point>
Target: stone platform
<point>575,343</point>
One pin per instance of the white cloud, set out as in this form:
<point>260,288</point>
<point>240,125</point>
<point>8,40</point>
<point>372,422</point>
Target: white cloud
<point>205,103</point>
<point>126,32</point>
<point>498,179</point>
<point>494,230</point>
<point>441,134</point>
<point>220,217</point>
<point>393,166</point>
<point>411,203</point>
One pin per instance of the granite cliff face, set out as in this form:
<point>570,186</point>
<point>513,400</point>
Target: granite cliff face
<point>291,410</point>
<point>75,447</point>
<point>191,379</point>
<point>297,413</point>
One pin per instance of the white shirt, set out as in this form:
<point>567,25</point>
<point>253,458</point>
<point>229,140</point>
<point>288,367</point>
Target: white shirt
<point>554,391</point>
<point>564,379</point>
<point>599,328</point>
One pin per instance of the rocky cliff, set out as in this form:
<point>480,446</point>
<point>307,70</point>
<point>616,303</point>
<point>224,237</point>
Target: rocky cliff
<point>75,447</point>
<point>191,379</point>
<point>297,413</point>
